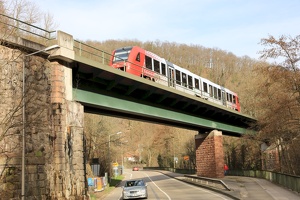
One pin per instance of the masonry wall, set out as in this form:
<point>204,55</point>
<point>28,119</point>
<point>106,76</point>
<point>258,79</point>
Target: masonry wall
<point>66,175</point>
<point>210,155</point>
<point>53,128</point>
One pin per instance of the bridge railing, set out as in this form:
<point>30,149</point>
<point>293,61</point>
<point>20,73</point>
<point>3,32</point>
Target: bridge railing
<point>93,53</point>
<point>10,26</point>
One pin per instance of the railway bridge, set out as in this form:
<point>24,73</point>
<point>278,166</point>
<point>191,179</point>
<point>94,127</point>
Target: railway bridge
<point>48,86</point>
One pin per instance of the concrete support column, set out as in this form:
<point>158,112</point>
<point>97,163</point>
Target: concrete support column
<point>210,154</point>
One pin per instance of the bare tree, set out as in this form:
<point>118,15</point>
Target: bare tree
<point>48,22</point>
<point>280,99</point>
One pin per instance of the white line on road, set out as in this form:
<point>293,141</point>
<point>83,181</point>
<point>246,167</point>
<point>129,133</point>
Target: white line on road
<point>158,187</point>
<point>198,188</point>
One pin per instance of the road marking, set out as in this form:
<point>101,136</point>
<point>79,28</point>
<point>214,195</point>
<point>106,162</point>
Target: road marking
<point>198,188</point>
<point>158,187</point>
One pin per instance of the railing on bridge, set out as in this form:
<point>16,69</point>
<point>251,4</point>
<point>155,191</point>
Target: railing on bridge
<point>10,26</point>
<point>91,52</point>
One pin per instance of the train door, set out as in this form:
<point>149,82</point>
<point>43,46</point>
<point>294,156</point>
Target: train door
<point>171,76</point>
<point>223,96</point>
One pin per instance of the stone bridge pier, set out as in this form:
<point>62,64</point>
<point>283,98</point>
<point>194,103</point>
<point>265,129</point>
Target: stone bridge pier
<point>66,173</point>
<point>210,154</point>
<point>52,124</point>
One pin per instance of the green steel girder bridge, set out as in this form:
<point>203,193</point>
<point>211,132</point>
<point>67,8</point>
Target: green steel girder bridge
<point>108,91</point>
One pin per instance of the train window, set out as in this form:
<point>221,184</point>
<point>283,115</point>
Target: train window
<point>211,91</point>
<point>196,83</point>
<point>219,94</point>
<point>183,79</point>
<point>121,55</point>
<point>190,82</point>
<point>178,78</point>
<point>234,97</point>
<point>138,57</point>
<point>148,62</point>
<point>163,69</point>
<point>215,93</point>
<point>205,87</point>
<point>230,97</point>
<point>156,66</point>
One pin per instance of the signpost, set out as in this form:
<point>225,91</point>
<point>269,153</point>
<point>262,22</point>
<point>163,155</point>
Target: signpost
<point>115,168</point>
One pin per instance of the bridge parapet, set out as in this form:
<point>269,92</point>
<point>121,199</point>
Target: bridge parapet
<point>66,50</point>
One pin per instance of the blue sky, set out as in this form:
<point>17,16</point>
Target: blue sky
<point>235,26</point>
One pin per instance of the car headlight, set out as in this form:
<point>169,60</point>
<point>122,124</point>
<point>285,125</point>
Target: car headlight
<point>126,192</point>
<point>143,191</point>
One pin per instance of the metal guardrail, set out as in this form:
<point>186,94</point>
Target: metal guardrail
<point>210,182</point>
<point>193,179</point>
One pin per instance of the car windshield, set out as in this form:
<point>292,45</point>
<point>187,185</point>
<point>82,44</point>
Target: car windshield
<point>135,183</point>
<point>122,54</point>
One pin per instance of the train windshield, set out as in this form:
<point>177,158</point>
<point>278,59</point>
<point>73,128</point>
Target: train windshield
<point>122,54</point>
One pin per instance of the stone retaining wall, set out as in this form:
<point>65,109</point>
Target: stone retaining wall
<point>53,128</point>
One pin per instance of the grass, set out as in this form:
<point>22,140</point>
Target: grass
<point>115,181</point>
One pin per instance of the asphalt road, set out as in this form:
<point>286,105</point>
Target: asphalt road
<point>163,187</point>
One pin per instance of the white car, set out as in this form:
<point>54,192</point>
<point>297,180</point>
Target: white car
<point>134,189</point>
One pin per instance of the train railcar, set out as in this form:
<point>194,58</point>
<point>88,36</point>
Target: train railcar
<point>143,63</point>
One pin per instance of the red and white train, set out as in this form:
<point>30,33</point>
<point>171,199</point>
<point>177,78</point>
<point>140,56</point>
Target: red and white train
<point>138,61</point>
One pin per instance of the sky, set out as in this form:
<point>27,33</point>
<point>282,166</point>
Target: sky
<point>235,26</point>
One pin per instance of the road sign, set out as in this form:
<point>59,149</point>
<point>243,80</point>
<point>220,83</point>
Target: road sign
<point>186,157</point>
